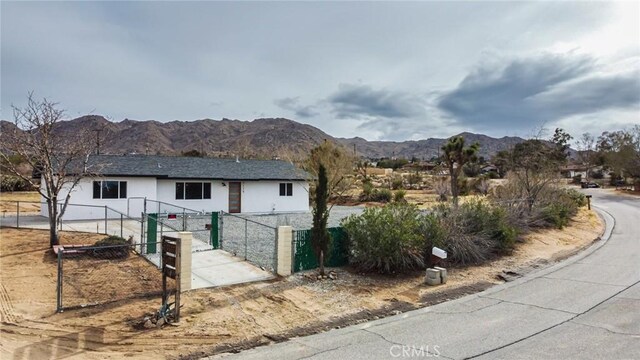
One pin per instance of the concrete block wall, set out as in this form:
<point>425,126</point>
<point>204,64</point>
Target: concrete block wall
<point>186,239</point>
<point>284,250</point>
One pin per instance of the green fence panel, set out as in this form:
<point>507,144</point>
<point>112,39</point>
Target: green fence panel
<point>339,252</point>
<point>152,233</point>
<point>214,233</point>
<point>305,259</point>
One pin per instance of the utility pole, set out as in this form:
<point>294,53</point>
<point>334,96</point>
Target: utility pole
<point>98,131</point>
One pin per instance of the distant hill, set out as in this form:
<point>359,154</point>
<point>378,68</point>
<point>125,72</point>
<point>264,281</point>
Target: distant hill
<point>260,138</point>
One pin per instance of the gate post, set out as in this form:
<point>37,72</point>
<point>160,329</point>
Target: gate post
<point>186,239</point>
<point>152,233</point>
<point>284,250</point>
<point>213,233</point>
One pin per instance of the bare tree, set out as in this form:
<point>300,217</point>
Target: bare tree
<point>587,151</point>
<point>483,186</point>
<point>338,164</point>
<point>442,188</point>
<point>60,160</point>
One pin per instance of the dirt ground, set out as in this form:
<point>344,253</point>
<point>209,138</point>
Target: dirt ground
<point>228,319</point>
<point>8,205</point>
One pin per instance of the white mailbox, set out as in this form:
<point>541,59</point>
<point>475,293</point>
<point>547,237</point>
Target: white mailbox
<point>439,253</point>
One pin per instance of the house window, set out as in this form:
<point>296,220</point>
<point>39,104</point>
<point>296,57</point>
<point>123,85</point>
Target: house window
<point>109,189</point>
<point>193,190</point>
<point>286,189</point>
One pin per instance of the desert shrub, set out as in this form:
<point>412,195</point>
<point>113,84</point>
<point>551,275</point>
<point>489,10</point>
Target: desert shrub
<point>367,189</point>
<point>470,233</point>
<point>557,208</point>
<point>13,183</point>
<point>555,214</point>
<point>382,195</point>
<point>576,196</point>
<point>472,169</point>
<point>397,182</point>
<point>493,175</point>
<point>386,239</point>
<point>399,195</point>
<point>464,186</point>
<point>414,178</point>
<point>111,247</point>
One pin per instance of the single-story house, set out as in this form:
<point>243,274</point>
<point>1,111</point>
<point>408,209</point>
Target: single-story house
<point>489,168</point>
<point>124,182</point>
<point>572,170</point>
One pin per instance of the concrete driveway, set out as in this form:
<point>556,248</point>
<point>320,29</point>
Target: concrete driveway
<point>587,307</point>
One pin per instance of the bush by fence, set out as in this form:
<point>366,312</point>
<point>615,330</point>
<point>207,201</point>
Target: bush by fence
<point>385,239</point>
<point>398,238</point>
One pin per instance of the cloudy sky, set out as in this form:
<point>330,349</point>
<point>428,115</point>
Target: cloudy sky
<point>378,70</point>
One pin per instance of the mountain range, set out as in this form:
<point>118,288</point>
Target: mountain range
<point>260,138</point>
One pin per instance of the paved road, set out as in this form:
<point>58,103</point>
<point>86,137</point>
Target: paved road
<point>587,307</point>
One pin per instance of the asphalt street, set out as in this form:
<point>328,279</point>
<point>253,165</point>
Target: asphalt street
<point>586,307</point>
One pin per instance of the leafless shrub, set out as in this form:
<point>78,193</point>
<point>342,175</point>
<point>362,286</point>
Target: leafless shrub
<point>442,188</point>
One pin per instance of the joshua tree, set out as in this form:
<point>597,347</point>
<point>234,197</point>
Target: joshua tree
<point>455,156</point>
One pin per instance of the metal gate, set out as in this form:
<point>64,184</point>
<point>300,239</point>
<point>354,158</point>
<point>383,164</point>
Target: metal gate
<point>249,239</point>
<point>203,226</point>
<point>304,257</point>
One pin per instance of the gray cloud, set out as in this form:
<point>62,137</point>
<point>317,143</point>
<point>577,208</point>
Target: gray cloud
<point>293,104</point>
<point>192,60</point>
<point>546,88</point>
<point>362,101</point>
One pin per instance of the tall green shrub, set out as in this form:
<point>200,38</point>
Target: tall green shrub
<point>319,234</point>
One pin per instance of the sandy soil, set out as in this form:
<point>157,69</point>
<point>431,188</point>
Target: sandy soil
<point>242,316</point>
<point>8,205</point>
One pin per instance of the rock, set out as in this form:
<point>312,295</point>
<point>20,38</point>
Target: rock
<point>148,324</point>
<point>333,275</point>
<point>160,322</point>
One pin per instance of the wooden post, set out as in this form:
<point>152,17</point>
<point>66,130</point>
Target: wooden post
<point>589,202</point>
<point>178,271</point>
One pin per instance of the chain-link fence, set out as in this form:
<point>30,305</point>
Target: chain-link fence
<point>98,275</point>
<point>76,217</point>
<point>249,239</point>
<point>203,226</point>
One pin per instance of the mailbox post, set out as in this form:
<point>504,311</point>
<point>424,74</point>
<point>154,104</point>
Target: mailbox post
<point>171,269</point>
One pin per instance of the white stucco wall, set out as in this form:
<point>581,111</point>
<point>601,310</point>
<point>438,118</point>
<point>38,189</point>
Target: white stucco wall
<point>257,197</point>
<point>264,197</point>
<point>167,193</point>
<point>82,194</point>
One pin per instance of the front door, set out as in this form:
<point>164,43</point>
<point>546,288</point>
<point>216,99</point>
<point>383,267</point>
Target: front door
<point>234,197</point>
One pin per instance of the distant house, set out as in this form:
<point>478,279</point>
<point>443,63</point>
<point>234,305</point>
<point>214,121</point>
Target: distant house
<point>572,170</point>
<point>489,168</point>
<point>202,184</point>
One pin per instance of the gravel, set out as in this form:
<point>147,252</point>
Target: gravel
<point>253,236</point>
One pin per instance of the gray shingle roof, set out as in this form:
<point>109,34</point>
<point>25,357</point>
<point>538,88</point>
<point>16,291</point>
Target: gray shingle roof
<point>179,167</point>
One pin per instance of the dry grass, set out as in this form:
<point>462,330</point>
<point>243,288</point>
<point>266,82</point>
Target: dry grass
<point>8,203</point>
